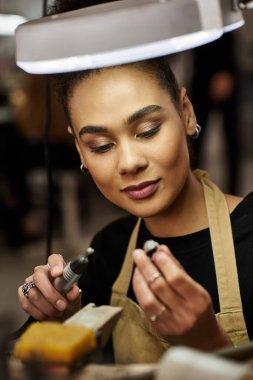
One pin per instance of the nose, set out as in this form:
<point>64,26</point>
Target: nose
<point>131,159</point>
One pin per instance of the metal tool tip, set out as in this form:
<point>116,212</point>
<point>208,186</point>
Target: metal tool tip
<point>89,251</point>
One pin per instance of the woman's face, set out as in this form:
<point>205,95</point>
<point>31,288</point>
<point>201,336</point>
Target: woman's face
<point>132,139</point>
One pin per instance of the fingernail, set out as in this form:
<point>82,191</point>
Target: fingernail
<point>61,305</point>
<point>137,254</point>
<point>54,269</point>
<point>159,255</point>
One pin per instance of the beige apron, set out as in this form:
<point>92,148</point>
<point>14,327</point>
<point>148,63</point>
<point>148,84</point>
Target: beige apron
<point>134,338</point>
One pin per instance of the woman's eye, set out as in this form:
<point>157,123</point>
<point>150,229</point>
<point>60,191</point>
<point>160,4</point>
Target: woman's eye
<point>150,132</point>
<point>101,148</point>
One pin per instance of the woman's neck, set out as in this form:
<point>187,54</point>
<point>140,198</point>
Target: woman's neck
<point>186,215</point>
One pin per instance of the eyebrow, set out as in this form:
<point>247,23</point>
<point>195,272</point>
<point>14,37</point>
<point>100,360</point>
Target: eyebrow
<point>143,112</point>
<point>93,129</point>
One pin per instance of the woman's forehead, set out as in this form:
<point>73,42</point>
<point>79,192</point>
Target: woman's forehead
<point>110,96</point>
<point>115,82</point>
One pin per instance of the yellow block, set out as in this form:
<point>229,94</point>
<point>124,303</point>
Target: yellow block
<point>55,342</point>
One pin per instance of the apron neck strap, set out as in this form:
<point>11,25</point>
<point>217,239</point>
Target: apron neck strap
<point>222,245</point>
<point>121,285</point>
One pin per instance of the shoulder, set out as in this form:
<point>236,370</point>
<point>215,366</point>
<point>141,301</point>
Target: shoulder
<point>242,217</point>
<point>232,201</point>
<point>235,202</point>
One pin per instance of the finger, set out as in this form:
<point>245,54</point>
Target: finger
<point>56,265</point>
<point>35,313</point>
<point>145,265</point>
<point>157,283</point>
<point>35,300</point>
<point>29,308</point>
<point>28,279</point>
<point>74,293</point>
<point>145,297</point>
<point>165,249</point>
<point>176,276</point>
<point>160,316</point>
<point>153,277</point>
<point>39,267</point>
<point>48,291</point>
<point>164,319</point>
<point>168,322</point>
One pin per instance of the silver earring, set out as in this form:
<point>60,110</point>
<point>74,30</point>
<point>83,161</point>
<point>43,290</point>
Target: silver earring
<point>197,132</point>
<point>83,169</point>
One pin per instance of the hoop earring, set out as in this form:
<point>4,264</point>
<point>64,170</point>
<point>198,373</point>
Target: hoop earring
<point>83,169</point>
<point>197,132</point>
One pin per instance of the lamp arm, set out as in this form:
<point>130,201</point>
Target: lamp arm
<point>241,4</point>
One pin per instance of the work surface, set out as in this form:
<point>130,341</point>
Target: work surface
<point>178,363</point>
<point>18,371</point>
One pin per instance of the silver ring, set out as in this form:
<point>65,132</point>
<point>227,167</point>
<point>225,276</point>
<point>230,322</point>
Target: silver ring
<point>154,276</point>
<point>26,287</point>
<point>154,317</point>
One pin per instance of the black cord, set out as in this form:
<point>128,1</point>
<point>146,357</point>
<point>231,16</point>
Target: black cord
<point>17,333</point>
<point>49,235</point>
<point>49,175</point>
<point>44,10</point>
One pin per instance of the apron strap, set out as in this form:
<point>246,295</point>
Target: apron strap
<point>223,247</point>
<point>121,285</point>
<point>231,315</point>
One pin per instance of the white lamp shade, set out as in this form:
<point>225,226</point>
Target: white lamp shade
<point>115,33</point>
<point>9,23</point>
<point>232,18</point>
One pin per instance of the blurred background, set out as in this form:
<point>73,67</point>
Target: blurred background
<point>219,79</point>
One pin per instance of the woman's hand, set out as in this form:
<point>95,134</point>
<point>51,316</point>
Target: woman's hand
<point>180,309</point>
<point>43,301</point>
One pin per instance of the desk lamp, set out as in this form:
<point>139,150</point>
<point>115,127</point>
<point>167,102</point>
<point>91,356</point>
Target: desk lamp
<point>121,32</point>
<point>115,33</point>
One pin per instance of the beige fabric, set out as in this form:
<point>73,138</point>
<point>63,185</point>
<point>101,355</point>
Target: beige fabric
<point>134,338</point>
<point>231,315</point>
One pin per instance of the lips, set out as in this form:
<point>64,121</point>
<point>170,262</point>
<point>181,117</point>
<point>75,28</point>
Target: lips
<point>142,190</point>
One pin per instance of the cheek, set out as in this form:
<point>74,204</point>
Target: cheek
<point>173,150</point>
<point>103,175</point>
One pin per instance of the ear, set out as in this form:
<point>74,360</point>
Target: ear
<point>188,114</point>
<point>71,132</point>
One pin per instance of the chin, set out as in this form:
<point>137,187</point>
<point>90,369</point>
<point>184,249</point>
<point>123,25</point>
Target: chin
<point>145,211</point>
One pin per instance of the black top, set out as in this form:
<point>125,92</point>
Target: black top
<point>193,251</point>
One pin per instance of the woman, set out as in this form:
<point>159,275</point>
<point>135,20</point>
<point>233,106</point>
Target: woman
<point>131,125</point>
